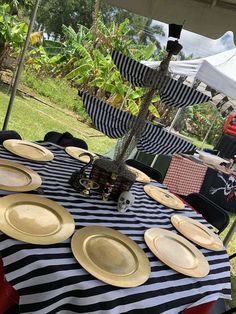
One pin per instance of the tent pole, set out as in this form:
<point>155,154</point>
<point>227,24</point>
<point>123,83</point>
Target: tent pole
<point>209,130</point>
<point>126,96</point>
<point>20,65</point>
<point>175,119</point>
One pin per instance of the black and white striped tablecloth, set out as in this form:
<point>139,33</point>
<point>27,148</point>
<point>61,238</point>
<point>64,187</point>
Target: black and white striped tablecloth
<point>50,280</point>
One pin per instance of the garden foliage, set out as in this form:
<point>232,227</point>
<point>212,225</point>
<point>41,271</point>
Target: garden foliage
<point>82,57</point>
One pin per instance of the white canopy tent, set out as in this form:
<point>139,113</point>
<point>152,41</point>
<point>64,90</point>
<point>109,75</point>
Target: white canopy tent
<point>218,71</point>
<point>211,18</point>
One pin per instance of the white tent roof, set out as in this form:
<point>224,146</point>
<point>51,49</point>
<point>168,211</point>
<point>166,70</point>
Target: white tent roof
<point>211,18</point>
<point>218,71</point>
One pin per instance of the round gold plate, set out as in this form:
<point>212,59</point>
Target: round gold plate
<point>35,219</point>
<point>18,178</point>
<point>76,151</point>
<point>197,232</point>
<point>176,252</point>
<point>28,150</point>
<point>110,256</point>
<point>164,197</point>
<point>140,176</point>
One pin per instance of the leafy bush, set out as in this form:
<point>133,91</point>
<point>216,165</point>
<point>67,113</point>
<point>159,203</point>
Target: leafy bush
<point>12,32</point>
<point>198,119</point>
<point>58,91</point>
<point>84,60</point>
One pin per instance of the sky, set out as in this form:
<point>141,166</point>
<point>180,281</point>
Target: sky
<point>198,45</point>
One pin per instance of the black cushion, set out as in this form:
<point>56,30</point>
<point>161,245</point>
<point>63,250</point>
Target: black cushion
<point>52,137</point>
<point>149,171</point>
<point>9,134</point>
<point>65,139</point>
<point>213,213</point>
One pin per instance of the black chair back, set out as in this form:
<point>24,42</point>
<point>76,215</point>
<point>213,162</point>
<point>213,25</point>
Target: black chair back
<point>149,171</point>
<point>213,213</point>
<point>232,256</point>
<point>65,139</point>
<point>10,134</point>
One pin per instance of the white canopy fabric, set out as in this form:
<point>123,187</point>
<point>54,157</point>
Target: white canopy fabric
<point>218,71</point>
<point>211,18</point>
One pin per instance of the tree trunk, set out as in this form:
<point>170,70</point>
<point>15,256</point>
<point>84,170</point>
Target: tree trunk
<point>3,50</point>
<point>95,17</point>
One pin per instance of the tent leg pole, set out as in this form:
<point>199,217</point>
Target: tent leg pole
<point>209,130</point>
<point>20,65</point>
<point>154,161</point>
<point>175,119</point>
<point>126,96</point>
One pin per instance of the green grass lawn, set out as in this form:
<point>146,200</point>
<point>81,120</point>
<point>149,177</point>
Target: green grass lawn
<point>32,120</point>
<point>57,90</point>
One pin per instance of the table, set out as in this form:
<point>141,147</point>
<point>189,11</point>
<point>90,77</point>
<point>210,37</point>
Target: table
<point>50,280</point>
<point>188,175</point>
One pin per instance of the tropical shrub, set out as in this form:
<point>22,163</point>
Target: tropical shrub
<point>198,119</point>
<point>12,32</point>
<point>84,60</point>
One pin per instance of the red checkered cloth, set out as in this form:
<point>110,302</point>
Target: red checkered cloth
<point>184,176</point>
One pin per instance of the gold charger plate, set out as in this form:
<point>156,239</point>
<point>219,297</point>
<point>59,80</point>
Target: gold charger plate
<point>176,252</point>
<point>35,219</point>
<point>140,176</point>
<point>110,256</point>
<point>76,151</point>
<point>18,178</point>
<point>28,150</point>
<point>164,197</point>
<point>197,232</point>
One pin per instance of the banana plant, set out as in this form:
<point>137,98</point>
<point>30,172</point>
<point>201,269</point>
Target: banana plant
<point>90,67</point>
<point>12,32</point>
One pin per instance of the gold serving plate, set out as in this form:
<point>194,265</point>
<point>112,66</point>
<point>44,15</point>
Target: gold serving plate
<point>76,151</point>
<point>197,232</point>
<point>18,178</point>
<point>176,252</point>
<point>140,176</point>
<point>35,219</point>
<point>164,197</point>
<point>28,150</point>
<point>110,256</point>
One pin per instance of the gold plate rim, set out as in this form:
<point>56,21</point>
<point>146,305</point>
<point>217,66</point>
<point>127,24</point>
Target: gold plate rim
<point>149,189</point>
<point>215,245</point>
<point>202,268</point>
<point>141,176</point>
<point>63,233</point>
<point>72,151</point>
<point>35,183</point>
<point>136,278</point>
<point>12,146</point>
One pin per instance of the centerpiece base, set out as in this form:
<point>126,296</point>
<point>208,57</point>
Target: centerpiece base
<point>104,171</point>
